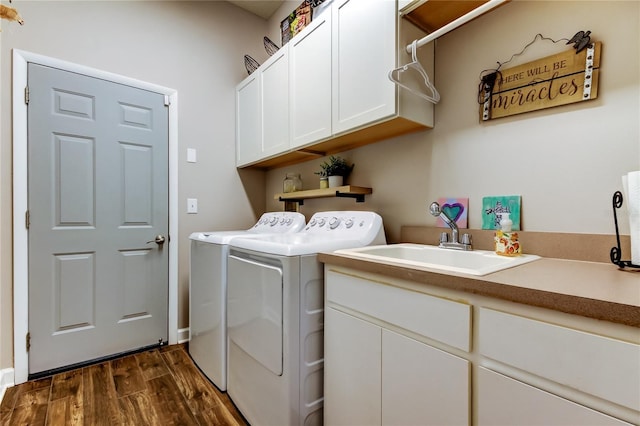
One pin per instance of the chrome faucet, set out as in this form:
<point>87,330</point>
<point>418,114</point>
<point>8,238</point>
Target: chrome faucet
<point>436,211</point>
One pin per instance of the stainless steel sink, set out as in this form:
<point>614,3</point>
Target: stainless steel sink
<point>476,262</point>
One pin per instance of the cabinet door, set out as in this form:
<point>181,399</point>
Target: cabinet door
<point>248,121</point>
<point>505,401</point>
<point>363,52</point>
<point>598,365</point>
<point>274,76</point>
<point>310,76</point>
<point>422,384</point>
<point>352,370</point>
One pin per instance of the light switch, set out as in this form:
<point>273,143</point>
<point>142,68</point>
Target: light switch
<point>191,155</point>
<point>192,205</point>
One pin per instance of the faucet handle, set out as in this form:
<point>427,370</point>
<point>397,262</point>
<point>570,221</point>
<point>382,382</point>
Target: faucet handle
<point>444,237</point>
<point>466,239</point>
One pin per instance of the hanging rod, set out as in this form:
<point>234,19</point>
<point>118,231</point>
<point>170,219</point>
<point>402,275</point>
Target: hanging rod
<point>491,4</point>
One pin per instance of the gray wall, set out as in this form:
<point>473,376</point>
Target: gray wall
<point>196,48</point>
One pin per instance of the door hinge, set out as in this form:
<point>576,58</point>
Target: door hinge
<point>26,95</point>
<point>27,219</point>
<point>28,341</point>
<point>167,102</point>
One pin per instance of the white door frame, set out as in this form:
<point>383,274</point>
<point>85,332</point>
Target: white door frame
<point>20,233</point>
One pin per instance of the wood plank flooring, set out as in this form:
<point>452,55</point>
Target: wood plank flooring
<point>158,387</point>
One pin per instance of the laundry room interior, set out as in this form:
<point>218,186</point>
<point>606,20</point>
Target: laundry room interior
<point>562,164</point>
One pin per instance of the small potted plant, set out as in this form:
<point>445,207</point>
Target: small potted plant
<point>336,169</point>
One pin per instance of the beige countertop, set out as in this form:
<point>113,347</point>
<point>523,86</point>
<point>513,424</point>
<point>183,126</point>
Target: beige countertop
<point>591,289</point>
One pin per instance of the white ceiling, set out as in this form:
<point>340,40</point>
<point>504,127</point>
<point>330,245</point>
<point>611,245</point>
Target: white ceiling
<point>262,8</point>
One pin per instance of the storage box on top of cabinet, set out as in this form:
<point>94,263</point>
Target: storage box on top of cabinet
<point>340,95</point>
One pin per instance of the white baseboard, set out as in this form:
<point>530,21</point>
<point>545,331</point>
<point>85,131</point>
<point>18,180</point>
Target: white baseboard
<point>6,380</point>
<point>183,335</point>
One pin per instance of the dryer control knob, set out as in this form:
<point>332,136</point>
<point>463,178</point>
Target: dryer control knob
<point>321,221</point>
<point>334,222</point>
<point>282,221</point>
<point>313,222</point>
<point>349,223</point>
<point>273,221</point>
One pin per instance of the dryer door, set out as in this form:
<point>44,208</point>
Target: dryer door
<point>254,310</point>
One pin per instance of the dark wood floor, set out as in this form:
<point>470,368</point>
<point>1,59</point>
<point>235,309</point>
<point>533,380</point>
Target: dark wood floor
<point>157,387</point>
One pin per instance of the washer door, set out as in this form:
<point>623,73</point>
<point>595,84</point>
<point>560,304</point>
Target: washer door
<point>254,310</point>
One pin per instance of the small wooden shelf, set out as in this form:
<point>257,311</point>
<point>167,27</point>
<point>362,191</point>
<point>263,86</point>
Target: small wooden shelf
<point>347,191</point>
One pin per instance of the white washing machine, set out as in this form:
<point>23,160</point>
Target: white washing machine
<point>208,290</point>
<point>275,317</point>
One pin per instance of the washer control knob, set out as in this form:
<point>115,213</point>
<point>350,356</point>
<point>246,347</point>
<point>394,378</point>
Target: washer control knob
<point>289,221</point>
<point>334,222</point>
<point>282,221</point>
<point>348,223</point>
<point>273,221</point>
<point>321,221</point>
<point>313,222</point>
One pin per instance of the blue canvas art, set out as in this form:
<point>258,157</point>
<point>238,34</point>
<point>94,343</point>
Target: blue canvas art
<point>493,207</point>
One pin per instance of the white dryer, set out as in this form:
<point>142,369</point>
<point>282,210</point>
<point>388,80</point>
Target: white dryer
<point>208,290</point>
<point>275,317</point>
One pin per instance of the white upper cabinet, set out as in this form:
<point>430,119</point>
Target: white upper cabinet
<point>262,111</point>
<point>310,82</point>
<point>248,121</point>
<point>274,83</point>
<point>335,93</point>
<point>364,37</point>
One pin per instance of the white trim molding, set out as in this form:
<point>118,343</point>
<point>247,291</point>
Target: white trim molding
<point>20,235</point>
<point>6,380</point>
<point>184,335</point>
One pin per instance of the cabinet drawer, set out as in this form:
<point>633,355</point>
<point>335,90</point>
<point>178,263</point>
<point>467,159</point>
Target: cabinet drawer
<point>505,401</point>
<point>598,365</point>
<point>433,317</point>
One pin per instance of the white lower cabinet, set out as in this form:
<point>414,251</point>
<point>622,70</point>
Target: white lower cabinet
<point>400,353</point>
<point>378,376</point>
<point>508,402</point>
<point>422,384</point>
<point>600,366</point>
<point>352,381</point>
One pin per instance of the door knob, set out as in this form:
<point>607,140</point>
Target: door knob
<point>158,240</point>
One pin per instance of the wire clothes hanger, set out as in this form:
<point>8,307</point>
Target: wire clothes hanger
<point>394,75</point>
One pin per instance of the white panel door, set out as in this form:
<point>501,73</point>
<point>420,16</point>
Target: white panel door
<point>274,87</point>
<point>363,53</point>
<point>505,401</point>
<point>98,191</point>
<point>248,121</point>
<point>352,361</point>
<point>422,384</point>
<point>310,76</point>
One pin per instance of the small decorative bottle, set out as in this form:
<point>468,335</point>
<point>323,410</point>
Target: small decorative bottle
<point>506,241</point>
<point>292,183</point>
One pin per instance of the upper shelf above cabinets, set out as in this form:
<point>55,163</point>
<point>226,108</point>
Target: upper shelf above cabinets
<point>431,15</point>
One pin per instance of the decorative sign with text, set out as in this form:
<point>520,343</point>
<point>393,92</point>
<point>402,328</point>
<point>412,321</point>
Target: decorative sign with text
<point>560,79</point>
